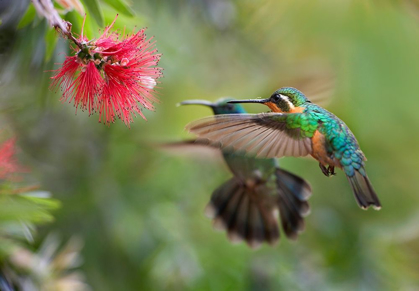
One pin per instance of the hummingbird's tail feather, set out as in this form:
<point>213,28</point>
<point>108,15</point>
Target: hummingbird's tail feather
<point>364,193</point>
<point>293,206</point>
<point>239,210</point>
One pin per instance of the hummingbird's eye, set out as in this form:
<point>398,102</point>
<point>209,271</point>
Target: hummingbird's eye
<point>275,97</point>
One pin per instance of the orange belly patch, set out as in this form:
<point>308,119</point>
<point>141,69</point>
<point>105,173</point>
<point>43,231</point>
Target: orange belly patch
<point>319,150</point>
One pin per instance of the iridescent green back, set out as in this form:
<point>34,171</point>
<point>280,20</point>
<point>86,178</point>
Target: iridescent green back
<point>340,141</point>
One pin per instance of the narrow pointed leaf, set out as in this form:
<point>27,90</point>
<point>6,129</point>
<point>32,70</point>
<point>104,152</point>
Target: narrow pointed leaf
<point>27,17</point>
<point>120,6</point>
<point>51,38</point>
<point>94,9</point>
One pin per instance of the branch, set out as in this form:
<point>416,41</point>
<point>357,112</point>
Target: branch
<point>46,9</point>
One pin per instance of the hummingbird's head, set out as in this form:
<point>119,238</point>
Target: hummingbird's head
<point>221,106</point>
<point>286,99</point>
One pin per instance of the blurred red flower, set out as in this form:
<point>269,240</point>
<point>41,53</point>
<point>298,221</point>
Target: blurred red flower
<point>8,163</point>
<point>114,75</point>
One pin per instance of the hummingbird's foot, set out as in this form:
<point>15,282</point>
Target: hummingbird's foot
<point>324,170</point>
<point>331,170</point>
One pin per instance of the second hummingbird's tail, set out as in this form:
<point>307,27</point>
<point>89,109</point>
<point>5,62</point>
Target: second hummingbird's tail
<point>364,193</point>
<point>243,213</point>
<point>293,193</point>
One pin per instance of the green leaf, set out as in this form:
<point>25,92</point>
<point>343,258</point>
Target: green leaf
<point>44,203</point>
<point>27,17</point>
<point>94,9</point>
<point>51,38</point>
<point>120,6</point>
<point>26,209</point>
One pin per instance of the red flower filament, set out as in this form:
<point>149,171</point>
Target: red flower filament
<point>113,76</point>
<point>8,163</point>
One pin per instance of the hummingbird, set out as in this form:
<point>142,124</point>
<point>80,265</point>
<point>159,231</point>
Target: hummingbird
<point>295,127</point>
<point>247,204</point>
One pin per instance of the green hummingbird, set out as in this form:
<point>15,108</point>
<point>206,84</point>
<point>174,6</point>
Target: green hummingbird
<point>247,205</point>
<point>296,127</point>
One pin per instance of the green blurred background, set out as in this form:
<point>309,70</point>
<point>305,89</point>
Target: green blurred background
<point>139,210</point>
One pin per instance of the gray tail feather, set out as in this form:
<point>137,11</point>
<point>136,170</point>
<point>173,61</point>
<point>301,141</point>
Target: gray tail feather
<point>240,211</point>
<point>292,203</point>
<point>364,193</point>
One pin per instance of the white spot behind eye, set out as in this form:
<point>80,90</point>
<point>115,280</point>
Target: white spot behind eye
<point>287,99</point>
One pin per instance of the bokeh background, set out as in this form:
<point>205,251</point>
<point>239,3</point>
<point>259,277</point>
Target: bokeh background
<point>139,209</point>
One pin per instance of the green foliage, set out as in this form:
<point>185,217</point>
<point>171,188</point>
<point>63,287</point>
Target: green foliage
<point>95,11</point>
<point>26,208</point>
<point>28,17</point>
<point>120,6</point>
<point>20,212</point>
<point>51,38</point>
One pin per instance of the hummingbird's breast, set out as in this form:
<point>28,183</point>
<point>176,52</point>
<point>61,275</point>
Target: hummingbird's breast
<point>329,128</point>
<point>333,143</point>
<point>320,150</point>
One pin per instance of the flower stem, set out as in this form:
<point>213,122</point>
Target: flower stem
<point>67,33</point>
<point>71,37</point>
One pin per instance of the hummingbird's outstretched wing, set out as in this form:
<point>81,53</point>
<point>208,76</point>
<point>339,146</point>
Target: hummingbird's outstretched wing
<point>198,149</point>
<point>267,135</point>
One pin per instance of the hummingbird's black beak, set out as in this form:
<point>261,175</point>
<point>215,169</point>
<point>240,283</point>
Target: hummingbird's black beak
<point>197,102</point>
<point>262,101</point>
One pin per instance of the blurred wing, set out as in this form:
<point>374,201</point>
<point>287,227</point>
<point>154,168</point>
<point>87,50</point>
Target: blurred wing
<point>318,85</point>
<point>200,149</point>
<point>265,135</point>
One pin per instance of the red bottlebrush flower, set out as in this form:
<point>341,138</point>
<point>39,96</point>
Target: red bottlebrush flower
<point>112,75</point>
<point>8,164</point>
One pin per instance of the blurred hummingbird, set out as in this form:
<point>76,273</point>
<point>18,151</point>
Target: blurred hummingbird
<point>247,204</point>
<point>296,127</point>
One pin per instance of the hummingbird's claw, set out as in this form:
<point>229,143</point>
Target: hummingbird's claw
<point>327,171</point>
<point>324,170</point>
